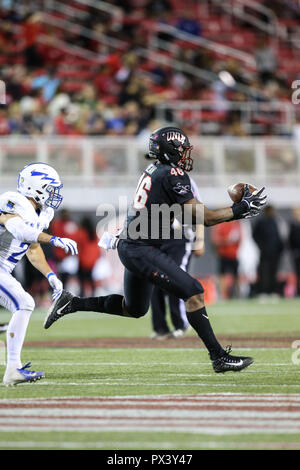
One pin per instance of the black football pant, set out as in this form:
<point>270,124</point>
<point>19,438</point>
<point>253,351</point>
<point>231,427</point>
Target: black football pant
<point>297,272</point>
<point>180,252</point>
<point>267,273</point>
<point>147,266</point>
<point>85,277</point>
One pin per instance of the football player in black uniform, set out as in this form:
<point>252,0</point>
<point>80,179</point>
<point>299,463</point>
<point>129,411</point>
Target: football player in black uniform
<point>164,183</point>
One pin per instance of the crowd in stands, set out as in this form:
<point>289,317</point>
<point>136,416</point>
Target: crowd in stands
<point>52,92</point>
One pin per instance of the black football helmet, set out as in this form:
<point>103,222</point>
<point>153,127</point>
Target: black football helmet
<point>171,146</point>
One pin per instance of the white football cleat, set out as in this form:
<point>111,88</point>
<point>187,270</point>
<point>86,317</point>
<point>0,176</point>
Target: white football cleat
<point>16,376</point>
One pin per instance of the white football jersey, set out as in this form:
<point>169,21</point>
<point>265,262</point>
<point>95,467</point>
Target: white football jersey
<point>12,250</point>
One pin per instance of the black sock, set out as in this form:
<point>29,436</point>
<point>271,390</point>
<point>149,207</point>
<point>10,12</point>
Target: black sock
<point>200,322</point>
<point>112,304</point>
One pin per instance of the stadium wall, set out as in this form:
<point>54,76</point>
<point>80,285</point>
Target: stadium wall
<point>105,168</point>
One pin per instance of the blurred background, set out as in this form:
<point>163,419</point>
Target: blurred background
<point>87,81</point>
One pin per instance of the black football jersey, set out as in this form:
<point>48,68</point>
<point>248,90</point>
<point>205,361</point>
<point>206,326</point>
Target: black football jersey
<point>160,188</point>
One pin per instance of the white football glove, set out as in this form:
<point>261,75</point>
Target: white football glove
<point>108,241</point>
<point>65,244</point>
<point>56,285</point>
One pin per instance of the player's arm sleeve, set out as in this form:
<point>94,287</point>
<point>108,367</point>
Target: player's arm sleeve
<point>22,231</point>
<point>178,188</point>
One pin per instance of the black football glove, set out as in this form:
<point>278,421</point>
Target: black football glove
<point>250,205</point>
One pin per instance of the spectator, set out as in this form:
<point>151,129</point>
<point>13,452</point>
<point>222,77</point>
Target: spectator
<point>88,253</point>
<point>61,124</point>
<point>4,123</point>
<point>188,24</point>
<point>87,96</point>
<point>294,244</point>
<point>266,234</point>
<point>226,239</point>
<point>116,120</point>
<point>156,8</point>
<point>234,126</point>
<point>49,84</point>
<point>96,125</point>
<point>32,29</point>
<point>266,61</point>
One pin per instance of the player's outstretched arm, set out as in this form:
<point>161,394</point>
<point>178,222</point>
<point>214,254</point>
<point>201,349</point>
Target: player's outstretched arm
<point>66,244</point>
<point>19,229</point>
<point>37,258</point>
<point>249,206</point>
<point>25,233</point>
<point>209,217</point>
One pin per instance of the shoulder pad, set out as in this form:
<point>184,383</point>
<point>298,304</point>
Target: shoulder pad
<point>15,203</point>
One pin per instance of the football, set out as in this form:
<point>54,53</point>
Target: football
<point>236,191</point>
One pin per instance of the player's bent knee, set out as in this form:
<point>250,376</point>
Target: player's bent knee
<point>195,302</point>
<point>27,303</point>
<point>137,314</point>
<point>135,311</point>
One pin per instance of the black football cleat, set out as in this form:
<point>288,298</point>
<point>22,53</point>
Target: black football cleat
<point>61,307</point>
<point>3,327</point>
<point>228,363</point>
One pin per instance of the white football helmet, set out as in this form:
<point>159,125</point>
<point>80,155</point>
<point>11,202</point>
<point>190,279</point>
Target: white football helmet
<point>41,182</point>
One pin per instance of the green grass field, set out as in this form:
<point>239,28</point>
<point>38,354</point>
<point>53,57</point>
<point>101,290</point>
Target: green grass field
<point>158,397</point>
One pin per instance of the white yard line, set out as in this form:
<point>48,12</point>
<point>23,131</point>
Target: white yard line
<point>175,396</point>
<point>177,407</point>
<point>105,382</point>
<point>156,429</point>
<point>90,445</point>
<point>236,416</point>
<point>145,445</point>
<point>70,350</point>
<point>153,364</point>
<point>109,383</point>
<point>262,426</point>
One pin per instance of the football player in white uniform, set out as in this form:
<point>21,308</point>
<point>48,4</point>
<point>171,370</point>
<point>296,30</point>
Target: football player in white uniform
<point>23,217</point>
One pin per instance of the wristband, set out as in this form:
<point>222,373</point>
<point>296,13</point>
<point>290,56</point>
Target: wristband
<point>239,209</point>
<point>50,274</point>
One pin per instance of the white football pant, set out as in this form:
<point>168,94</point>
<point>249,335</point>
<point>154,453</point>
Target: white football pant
<point>15,299</point>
